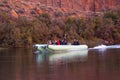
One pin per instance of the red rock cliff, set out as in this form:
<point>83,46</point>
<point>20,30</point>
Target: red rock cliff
<point>85,5</point>
<point>33,7</point>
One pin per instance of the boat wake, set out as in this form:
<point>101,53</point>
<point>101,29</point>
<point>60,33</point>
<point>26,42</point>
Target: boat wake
<point>100,47</point>
<point>104,47</point>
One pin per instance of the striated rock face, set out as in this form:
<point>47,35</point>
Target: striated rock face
<point>89,5</point>
<point>56,7</point>
<point>85,5</point>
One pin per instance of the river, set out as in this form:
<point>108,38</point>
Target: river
<point>94,64</point>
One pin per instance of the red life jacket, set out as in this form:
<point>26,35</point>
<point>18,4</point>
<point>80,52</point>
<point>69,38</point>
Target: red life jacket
<point>58,42</point>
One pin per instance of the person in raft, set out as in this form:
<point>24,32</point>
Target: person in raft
<point>75,42</point>
<point>64,42</point>
<point>58,42</point>
<point>49,42</point>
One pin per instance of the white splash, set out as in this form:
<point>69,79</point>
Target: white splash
<point>104,47</point>
<point>113,46</point>
<point>100,46</point>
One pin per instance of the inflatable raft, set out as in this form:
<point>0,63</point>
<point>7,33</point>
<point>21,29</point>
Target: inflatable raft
<point>67,47</point>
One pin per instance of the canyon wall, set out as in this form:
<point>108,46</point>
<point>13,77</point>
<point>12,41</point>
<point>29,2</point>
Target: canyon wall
<point>54,7</point>
<point>83,5</point>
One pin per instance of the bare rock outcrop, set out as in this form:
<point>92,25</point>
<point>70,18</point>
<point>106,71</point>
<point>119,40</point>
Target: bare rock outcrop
<point>30,8</point>
<point>13,14</point>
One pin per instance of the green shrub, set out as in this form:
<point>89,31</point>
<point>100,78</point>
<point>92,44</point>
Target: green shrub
<point>44,18</point>
<point>112,15</point>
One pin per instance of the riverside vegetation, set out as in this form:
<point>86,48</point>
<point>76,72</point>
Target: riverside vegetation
<point>24,32</point>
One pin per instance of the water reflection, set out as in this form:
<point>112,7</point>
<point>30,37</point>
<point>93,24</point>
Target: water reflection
<point>23,64</point>
<point>62,57</point>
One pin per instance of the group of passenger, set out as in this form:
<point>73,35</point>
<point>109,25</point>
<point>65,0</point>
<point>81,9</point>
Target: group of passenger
<point>62,42</point>
<point>57,42</point>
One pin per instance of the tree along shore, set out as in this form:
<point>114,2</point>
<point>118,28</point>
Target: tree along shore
<point>24,32</point>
